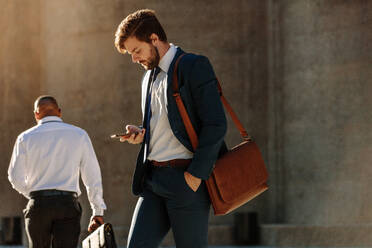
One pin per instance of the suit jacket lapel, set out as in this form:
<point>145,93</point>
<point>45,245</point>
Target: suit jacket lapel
<point>170,73</point>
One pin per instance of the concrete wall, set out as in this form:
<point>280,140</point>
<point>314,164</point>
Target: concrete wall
<point>20,80</point>
<point>324,106</point>
<point>65,48</point>
<point>320,136</point>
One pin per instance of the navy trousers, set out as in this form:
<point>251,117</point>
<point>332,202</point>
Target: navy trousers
<point>169,203</point>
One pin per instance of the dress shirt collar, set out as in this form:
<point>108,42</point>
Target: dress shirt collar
<point>48,119</point>
<point>165,62</point>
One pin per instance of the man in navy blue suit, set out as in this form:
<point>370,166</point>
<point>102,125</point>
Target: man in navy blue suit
<point>169,175</point>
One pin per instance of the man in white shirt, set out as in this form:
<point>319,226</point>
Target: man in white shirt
<point>45,166</point>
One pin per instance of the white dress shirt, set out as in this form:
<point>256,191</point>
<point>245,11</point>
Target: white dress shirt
<point>163,144</point>
<point>51,155</point>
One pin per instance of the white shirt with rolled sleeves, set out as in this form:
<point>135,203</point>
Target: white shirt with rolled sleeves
<point>163,144</point>
<point>52,155</point>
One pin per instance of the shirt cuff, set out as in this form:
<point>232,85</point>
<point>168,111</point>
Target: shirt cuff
<point>97,212</point>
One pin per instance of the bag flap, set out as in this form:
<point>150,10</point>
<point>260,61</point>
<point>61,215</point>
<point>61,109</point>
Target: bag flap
<point>97,237</point>
<point>239,171</point>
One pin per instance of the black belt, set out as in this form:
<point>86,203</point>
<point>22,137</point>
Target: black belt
<point>52,192</point>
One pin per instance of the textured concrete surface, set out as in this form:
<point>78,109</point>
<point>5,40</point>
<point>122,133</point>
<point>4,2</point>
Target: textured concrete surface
<point>1,246</point>
<point>320,235</point>
<point>321,90</point>
<point>223,246</point>
<point>19,85</point>
<point>320,118</point>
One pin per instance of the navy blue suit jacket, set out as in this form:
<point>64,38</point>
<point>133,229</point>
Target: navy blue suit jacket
<point>199,92</point>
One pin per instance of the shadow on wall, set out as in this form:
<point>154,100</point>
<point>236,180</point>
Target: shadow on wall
<point>11,231</point>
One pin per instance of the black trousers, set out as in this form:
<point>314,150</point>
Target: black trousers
<point>53,220</point>
<point>168,202</point>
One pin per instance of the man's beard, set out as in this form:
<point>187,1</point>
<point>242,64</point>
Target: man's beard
<point>153,61</point>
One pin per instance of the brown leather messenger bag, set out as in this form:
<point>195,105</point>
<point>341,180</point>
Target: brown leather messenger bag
<point>240,174</point>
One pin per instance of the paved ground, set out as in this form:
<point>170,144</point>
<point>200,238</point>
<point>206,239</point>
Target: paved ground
<point>224,247</point>
<point>232,246</point>
<point>169,247</point>
<point>216,247</point>
<point>1,246</point>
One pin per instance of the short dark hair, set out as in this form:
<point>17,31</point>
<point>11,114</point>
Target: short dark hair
<point>140,24</point>
<point>46,99</point>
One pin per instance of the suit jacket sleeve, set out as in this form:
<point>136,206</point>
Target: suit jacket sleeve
<point>211,118</point>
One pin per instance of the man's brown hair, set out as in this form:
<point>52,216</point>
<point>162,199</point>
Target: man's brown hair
<point>140,24</point>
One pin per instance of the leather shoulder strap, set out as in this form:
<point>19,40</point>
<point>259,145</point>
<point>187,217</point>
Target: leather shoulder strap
<point>181,107</point>
<point>234,117</point>
<point>185,117</point>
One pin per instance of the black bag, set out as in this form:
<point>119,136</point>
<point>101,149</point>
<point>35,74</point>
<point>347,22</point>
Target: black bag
<point>102,237</point>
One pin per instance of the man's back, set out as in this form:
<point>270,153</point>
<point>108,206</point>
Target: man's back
<point>52,155</point>
<point>53,150</point>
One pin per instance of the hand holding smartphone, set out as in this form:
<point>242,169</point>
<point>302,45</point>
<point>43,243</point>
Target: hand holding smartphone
<point>121,135</point>
<point>137,138</point>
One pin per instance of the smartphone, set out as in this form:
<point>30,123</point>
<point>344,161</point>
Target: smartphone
<point>118,136</point>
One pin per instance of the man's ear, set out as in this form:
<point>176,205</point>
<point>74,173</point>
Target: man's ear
<point>154,39</point>
<point>37,115</point>
<point>59,112</point>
